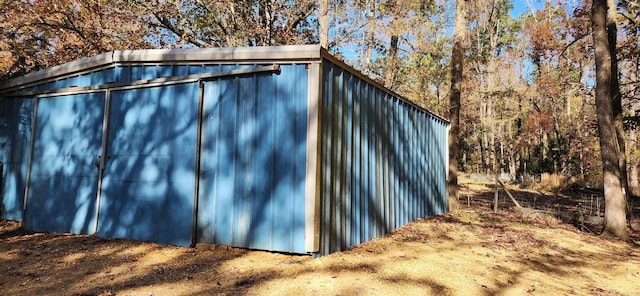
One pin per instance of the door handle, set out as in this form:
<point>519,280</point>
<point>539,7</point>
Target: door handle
<point>97,163</point>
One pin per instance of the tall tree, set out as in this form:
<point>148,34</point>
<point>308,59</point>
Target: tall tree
<point>558,125</point>
<point>423,66</point>
<point>629,71</point>
<point>369,38</point>
<point>457,57</point>
<point>390,70</point>
<point>616,97</point>
<point>492,36</point>
<point>324,23</point>
<point>615,206</point>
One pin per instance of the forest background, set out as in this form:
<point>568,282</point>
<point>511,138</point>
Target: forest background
<point>528,109</point>
<point>528,90</point>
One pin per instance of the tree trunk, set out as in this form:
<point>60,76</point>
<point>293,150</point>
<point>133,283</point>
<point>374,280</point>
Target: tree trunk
<point>390,70</point>
<point>392,62</point>
<point>634,183</point>
<point>457,56</point>
<point>491,138</point>
<point>324,23</point>
<point>633,177</point>
<point>616,97</point>
<point>266,18</point>
<point>512,154</point>
<point>615,222</point>
<point>370,41</point>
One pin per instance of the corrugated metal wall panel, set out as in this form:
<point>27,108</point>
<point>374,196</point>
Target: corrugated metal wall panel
<point>149,176</point>
<point>16,116</point>
<point>64,176</point>
<point>252,176</point>
<point>382,161</point>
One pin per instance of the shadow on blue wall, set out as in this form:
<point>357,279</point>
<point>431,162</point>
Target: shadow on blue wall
<point>383,161</point>
<point>15,137</point>
<point>253,161</point>
<point>381,166</point>
<point>148,182</point>
<point>64,178</point>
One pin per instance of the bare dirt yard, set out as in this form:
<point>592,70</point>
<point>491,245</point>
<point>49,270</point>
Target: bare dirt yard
<point>473,252</point>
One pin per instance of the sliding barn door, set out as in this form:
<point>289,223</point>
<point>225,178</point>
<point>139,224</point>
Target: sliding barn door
<point>64,171</point>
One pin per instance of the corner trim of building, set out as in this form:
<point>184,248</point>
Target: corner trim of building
<point>312,196</point>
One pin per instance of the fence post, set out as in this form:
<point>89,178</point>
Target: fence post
<point>495,197</point>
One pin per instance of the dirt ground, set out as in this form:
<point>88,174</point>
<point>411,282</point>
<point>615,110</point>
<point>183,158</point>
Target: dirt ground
<point>473,252</point>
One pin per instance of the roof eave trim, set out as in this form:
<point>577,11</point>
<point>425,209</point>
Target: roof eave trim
<point>295,52</point>
<point>190,55</point>
<point>53,72</point>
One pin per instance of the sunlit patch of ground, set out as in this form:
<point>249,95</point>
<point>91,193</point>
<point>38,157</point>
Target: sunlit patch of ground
<point>473,252</point>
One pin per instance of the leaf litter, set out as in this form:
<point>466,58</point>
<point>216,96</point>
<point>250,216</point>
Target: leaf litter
<point>472,252</point>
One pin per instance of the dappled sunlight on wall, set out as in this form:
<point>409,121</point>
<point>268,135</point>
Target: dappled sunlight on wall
<point>253,161</point>
<point>64,175</point>
<point>147,188</point>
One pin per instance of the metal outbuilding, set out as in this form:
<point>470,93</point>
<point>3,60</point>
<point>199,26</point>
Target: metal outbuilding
<point>274,148</point>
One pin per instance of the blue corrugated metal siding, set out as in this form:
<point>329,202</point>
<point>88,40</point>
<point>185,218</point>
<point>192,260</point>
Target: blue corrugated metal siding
<point>148,182</point>
<point>149,177</point>
<point>382,161</point>
<point>15,137</point>
<point>64,175</point>
<point>253,159</point>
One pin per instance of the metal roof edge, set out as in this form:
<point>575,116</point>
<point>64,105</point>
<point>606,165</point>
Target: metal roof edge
<point>259,53</point>
<point>326,55</point>
<point>60,70</point>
